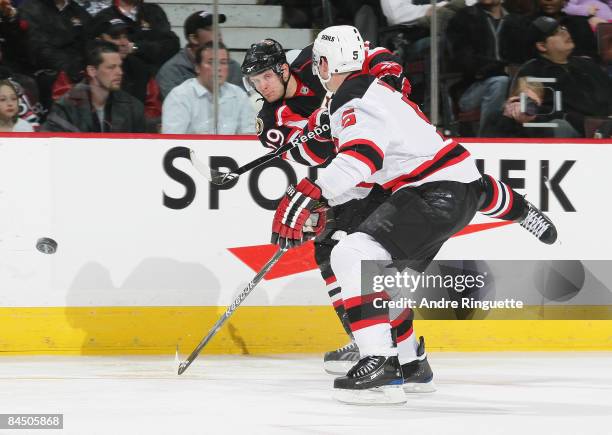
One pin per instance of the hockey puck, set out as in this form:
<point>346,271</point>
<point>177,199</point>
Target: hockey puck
<point>46,245</point>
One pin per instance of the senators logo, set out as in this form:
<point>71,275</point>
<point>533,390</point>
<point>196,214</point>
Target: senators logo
<point>258,126</point>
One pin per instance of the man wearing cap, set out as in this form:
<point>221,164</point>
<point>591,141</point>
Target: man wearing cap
<point>182,66</point>
<point>154,42</point>
<point>518,50</point>
<point>138,80</point>
<point>474,34</point>
<point>585,88</point>
<point>188,108</point>
<point>98,104</point>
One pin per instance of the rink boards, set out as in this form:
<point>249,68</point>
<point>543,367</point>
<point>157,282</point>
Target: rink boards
<point>149,253</point>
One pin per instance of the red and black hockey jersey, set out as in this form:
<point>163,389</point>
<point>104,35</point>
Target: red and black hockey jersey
<point>287,119</point>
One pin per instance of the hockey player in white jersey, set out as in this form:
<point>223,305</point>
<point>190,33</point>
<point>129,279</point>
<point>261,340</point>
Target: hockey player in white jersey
<point>380,137</point>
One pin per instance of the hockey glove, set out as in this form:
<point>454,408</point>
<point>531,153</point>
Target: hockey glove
<point>318,123</point>
<point>392,74</point>
<point>293,211</point>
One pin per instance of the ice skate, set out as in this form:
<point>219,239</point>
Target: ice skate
<point>538,224</point>
<point>340,361</point>
<point>418,376</point>
<point>374,380</point>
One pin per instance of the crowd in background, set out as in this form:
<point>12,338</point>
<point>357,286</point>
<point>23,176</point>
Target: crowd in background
<point>117,66</point>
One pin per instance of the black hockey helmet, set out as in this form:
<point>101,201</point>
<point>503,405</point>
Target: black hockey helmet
<point>266,54</point>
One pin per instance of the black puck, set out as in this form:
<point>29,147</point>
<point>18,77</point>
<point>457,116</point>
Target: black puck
<point>46,245</point>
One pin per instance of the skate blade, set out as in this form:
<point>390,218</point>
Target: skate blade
<point>338,367</point>
<point>420,387</point>
<point>389,395</point>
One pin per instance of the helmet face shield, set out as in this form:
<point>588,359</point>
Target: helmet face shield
<point>316,59</point>
<point>316,68</point>
<point>248,85</point>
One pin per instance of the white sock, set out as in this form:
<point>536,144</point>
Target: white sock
<point>407,349</point>
<point>375,340</point>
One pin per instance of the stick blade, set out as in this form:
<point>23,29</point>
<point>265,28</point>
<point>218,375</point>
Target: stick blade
<point>213,175</point>
<point>177,360</point>
<point>200,166</point>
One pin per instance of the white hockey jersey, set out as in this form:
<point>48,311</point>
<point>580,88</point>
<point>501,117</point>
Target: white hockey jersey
<point>382,137</point>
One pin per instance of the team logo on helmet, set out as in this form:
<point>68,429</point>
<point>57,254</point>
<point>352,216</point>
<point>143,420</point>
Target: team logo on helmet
<point>258,126</point>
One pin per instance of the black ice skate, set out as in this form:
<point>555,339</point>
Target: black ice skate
<point>418,377</point>
<point>374,380</point>
<point>538,224</point>
<point>340,361</point>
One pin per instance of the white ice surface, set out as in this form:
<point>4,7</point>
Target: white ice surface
<point>493,393</point>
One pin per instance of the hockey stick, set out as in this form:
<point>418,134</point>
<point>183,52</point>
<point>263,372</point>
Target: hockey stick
<point>230,310</point>
<point>219,178</point>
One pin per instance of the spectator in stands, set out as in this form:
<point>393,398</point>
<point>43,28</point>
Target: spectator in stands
<point>13,39</point>
<point>590,8</point>
<point>473,35</point>
<point>578,27</point>
<point>137,81</point>
<point>15,65</point>
<point>586,90</point>
<point>56,40</point>
<point>510,122</point>
<point>419,12</point>
<point>301,14</point>
<point>98,104</point>
<point>189,106</point>
<point>9,109</point>
<point>30,109</point>
<point>154,41</point>
<point>365,15</point>
<point>94,6</point>
<point>198,31</point>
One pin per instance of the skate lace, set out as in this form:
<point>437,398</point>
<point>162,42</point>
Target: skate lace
<point>348,347</point>
<point>366,367</point>
<point>535,223</point>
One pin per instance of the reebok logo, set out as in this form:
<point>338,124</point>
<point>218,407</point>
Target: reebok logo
<point>317,131</point>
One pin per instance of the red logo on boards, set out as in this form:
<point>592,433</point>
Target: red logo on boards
<point>301,259</point>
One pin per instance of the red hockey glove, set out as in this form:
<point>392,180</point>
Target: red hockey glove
<point>392,74</point>
<point>294,209</point>
<point>383,69</point>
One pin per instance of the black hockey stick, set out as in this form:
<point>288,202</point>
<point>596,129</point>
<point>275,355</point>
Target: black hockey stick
<point>219,178</point>
<point>230,310</point>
